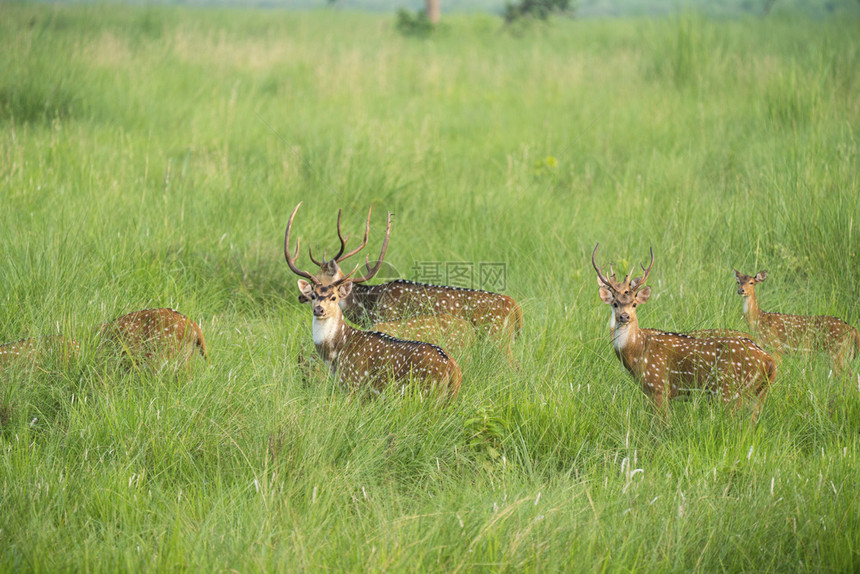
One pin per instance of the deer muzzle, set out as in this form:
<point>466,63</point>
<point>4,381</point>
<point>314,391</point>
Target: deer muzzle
<point>624,318</point>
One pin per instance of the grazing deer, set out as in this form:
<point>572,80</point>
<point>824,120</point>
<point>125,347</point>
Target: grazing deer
<point>670,365</point>
<point>367,359</point>
<point>32,350</point>
<point>156,334</point>
<point>798,333</point>
<point>492,313</point>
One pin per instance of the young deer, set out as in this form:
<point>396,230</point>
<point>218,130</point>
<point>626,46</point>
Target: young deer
<point>797,333</point>
<point>155,334</point>
<point>367,359</point>
<point>670,365</point>
<point>492,313</point>
<point>36,348</point>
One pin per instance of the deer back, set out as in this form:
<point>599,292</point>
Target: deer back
<point>717,333</point>
<point>162,334</point>
<point>38,349</point>
<point>806,333</point>
<point>372,360</point>
<point>487,311</point>
<point>674,364</point>
<point>450,332</point>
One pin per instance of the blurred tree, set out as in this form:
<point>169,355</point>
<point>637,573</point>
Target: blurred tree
<point>433,11</point>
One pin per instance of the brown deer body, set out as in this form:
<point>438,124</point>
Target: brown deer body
<point>35,349</point>
<point>155,334</point>
<point>450,332</point>
<point>797,333</point>
<point>670,365</point>
<point>368,359</point>
<point>492,313</point>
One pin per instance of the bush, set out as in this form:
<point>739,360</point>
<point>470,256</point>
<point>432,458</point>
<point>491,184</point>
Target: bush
<point>540,9</point>
<point>413,23</point>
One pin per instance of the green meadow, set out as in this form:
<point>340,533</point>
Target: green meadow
<point>150,157</point>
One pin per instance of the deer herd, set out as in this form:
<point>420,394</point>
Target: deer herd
<point>407,332</point>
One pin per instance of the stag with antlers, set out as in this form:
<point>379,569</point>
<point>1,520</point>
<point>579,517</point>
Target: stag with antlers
<point>670,365</point>
<point>491,313</point>
<point>367,359</point>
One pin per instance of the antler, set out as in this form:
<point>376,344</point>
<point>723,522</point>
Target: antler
<point>291,261</point>
<point>314,261</point>
<point>372,271</point>
<point>600,276</point>
<point>639,281</point>
<point>340,257</point>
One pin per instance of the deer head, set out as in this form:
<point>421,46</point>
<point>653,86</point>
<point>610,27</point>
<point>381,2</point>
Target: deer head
<point>747,283</point>
<point>326,293</point>
<point>624,295</point>
<point>329,269</point>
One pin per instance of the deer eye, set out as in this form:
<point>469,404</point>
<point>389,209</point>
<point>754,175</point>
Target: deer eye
<point>634,305</point>
<point>615,304</point>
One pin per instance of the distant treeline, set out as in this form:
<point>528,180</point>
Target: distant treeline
<point>584,8</point>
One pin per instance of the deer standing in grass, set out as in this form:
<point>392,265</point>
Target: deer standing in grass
<point>155,334</point>
<point>492,313</point>
<point>36,349</point>
<point>670,365</point>
<point>797,333</point>
<point>367,359</point>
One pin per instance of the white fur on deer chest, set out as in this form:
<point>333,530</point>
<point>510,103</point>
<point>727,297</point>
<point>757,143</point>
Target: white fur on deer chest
<point>325,333</point>
<point>621,337</point>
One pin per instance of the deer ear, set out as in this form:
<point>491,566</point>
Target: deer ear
<point>760,276</point>
<point>306,291</point>
<point>643,294</point>
<point>344,289</point>
<point>738,274</point>
<point>606,295</point>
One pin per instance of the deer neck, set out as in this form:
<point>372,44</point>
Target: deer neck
<point>330,336</point>
<point>751,310</point>
<point>630,344</point>
<point>625,336</point>
<point>359,304</point>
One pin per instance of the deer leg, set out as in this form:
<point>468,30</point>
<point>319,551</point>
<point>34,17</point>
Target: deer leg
<point>660,398</point>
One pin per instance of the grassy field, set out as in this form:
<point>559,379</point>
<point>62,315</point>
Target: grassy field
<point>151,156</point>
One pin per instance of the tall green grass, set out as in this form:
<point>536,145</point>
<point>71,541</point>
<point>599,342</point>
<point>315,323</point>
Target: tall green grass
<point>151,156</point>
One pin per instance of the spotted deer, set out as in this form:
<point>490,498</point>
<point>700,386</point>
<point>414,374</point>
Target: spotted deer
<point>492,313</point>
<point>161,335</point>
<point>797,333</point>
<point>37,350</point>
<point>670,365</point>
<point>367,359</point>
<point>448,331</point>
